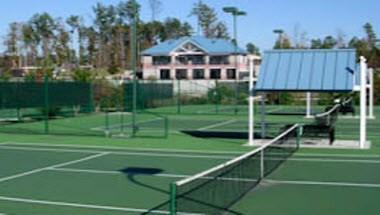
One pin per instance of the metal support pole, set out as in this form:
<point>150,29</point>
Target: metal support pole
<point>363,102</point>
<point>236,65</point>
<point>263,125</point>
<point>134,68</point>
<point>308,105</point>
<point>371,94</point>
<point>251,110</point>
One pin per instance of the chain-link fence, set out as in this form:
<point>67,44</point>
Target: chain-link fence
<point>193,97</point>
<point>74,108</point>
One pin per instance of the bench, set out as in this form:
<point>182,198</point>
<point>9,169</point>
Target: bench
<point>323,125</point>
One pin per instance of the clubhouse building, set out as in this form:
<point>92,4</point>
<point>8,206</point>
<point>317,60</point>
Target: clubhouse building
<point>196,58</point>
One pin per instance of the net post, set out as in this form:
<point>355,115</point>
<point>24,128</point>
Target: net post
<point>299,135</point>
<point>173,202</point>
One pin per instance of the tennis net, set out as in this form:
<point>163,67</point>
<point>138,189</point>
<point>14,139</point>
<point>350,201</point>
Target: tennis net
<point>216,190</point>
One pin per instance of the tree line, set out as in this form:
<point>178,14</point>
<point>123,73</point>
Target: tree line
<point>366,46</point>
<point>103,42</point>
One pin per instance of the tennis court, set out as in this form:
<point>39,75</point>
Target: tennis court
<point>64,179</point>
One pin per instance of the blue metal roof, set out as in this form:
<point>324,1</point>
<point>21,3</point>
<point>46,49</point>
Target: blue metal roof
<point>209,46</point>
<point>308,70</point>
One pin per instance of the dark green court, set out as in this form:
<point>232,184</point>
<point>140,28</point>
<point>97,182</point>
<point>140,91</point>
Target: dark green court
<point>61,179</point>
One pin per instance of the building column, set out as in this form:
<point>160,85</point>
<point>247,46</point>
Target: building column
<point>207,73</point>
<point>172,67</point>
<point>223,74</point>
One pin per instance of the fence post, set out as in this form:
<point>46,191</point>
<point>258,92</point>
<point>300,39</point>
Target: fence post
<point>216,96</point>
<point>178,96</point>
<point>107,123</point>
<point>46,100</point>
<point>91,97</point>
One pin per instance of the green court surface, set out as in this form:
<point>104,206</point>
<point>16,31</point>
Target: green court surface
<point>90,174</point>
<point>62,179</point>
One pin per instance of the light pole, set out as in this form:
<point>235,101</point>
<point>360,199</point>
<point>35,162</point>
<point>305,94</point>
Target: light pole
<point>235,12</point>
<point>134,67</point>
<point>280,33</point>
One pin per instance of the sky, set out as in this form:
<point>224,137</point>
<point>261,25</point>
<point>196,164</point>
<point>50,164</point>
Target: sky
<point>318,18</point>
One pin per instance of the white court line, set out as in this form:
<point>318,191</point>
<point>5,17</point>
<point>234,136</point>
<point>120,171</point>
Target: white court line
<point>275,109</point>
<point>155,175</point>
<point>76,205</point>
<point>321,183</point>
<point>321,160</point>
<point>118,153</point>
<point>124,148</point>
<point>331,160</point>
<point>52,166</point>
<point>327,155</point>
<point>217,125</point>
<point>88,206</point>
<point>188,151</point>
<point>103,128</point>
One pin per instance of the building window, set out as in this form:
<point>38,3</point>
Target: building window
<point>182,60</point>
<point>161,60</point>
<point>198,74</point>
<point>215,73</point>
<point>219,60</point>
<point>193,59</point>
<point>164,74</point>
<point>181,74</point>
<point>231,73</point>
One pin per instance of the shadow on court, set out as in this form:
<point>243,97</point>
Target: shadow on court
<point>132,172</point>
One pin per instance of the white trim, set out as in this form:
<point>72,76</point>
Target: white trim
<point>174,52</point>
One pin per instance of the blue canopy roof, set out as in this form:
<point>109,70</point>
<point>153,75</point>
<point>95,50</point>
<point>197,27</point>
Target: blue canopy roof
<point>308,70</point>
<point>209,46</point>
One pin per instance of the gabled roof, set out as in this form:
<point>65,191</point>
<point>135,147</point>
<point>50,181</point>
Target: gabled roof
<point>209,46</point>
<point>308,70</point>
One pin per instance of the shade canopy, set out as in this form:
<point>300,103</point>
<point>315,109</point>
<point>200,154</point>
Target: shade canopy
<point>308,71</point>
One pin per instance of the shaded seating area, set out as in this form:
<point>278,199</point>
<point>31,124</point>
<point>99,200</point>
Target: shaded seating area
<point>311,71</point>
<point>323,125</point>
